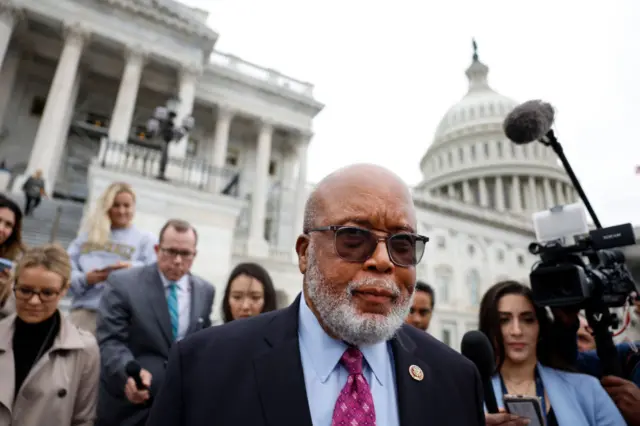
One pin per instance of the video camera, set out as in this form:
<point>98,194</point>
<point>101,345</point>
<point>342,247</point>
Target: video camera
<point>579,266</point>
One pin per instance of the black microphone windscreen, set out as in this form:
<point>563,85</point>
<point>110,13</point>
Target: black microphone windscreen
<point>477,348</point>
<point>529,121</point>
<point>133,368</point>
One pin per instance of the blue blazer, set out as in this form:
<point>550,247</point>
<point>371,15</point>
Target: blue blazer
<point>576,399</point>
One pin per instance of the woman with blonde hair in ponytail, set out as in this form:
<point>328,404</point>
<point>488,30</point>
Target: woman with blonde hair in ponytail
<point>108,242</point>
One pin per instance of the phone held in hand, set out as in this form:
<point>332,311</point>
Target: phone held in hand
<point>5,264</point>
<point>528,407</point>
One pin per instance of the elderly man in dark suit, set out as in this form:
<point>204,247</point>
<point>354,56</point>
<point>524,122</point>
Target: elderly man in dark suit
<point>143,313</point>
<point>340,354</point>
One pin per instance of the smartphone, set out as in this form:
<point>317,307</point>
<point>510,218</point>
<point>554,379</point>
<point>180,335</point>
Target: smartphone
<point>528,407</point>
<point>5,264</point>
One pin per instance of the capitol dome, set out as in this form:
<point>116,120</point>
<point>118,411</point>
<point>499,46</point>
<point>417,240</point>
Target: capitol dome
<point>471,160</point>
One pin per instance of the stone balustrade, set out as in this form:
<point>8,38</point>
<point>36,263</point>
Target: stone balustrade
<point>270,76</point>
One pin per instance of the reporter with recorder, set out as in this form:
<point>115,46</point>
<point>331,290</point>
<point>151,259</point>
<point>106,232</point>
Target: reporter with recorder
<point>625,391</point>
<point>527,365</point>
<point>109,242</point>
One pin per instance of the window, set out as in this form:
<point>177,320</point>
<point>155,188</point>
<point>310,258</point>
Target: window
<point>486,149</point>
<point>37,106</point>
<point>500,256</point>
<point>442,243</point>
<point>443,283</point>
<point>471,250</point>
<point>273,168</point>
<point>449,334</point>
<point>474,283</point>
<point>232,159</point>
<point>520,259</point>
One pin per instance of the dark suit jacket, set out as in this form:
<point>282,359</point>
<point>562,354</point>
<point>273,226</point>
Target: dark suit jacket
<point>249,372</point>
<point>133,323</point>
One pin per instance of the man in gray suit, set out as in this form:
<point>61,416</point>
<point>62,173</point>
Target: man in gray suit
<point>143,311</point>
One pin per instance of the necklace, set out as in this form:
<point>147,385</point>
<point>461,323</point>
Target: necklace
<point>523,388</point>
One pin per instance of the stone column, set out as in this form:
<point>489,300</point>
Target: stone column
<point>8,76</point>
<point>451,193</point>
<point>533,196</point>
<point>560,193</point>
<point>301,184</point>
<point>122,116</point>
<point>548,194</point>
<point>187,96</point>
<point>219,149</point>
<point>257,245</point>
<point>516,195</point>
<point>9,16</point>
<point>484,195</point>
<point>47,141</point>
<point>499,193</point>
<point>467,197</point>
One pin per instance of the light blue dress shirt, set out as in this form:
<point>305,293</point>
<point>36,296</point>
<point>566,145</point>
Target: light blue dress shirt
<point>324,376</point>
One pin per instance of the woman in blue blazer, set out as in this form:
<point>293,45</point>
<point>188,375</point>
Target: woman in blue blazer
<point>527,365</point>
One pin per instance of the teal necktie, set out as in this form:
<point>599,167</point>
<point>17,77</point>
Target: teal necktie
<point>173,309</point>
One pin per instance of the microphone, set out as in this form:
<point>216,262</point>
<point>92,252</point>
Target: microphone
<point>532,121</point>
<point>476,347</point>
<point>133,369</point>
<point>529,122</point>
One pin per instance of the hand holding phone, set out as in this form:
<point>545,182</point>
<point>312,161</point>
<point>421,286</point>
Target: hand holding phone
<point>528,407</point>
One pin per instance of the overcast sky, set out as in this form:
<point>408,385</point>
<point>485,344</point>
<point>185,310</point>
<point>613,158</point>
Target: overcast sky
<point>388,72</point>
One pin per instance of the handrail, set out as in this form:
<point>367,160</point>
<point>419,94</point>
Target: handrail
<point>55,226</point>
<point>191,172</point>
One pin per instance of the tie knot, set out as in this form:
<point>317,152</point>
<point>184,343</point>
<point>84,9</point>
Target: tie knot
<point>352,360</point>
<point>173,285</point>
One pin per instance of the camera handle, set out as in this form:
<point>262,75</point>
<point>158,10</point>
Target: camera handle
<point>550,140</point>
<point>600,319</point>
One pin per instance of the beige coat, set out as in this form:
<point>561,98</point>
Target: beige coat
<point>61,388</point>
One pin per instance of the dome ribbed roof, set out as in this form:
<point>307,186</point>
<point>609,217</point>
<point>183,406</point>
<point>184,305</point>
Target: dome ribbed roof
<point>480,105</point>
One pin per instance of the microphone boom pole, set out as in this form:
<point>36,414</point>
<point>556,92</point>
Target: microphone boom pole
<point>550,140</point>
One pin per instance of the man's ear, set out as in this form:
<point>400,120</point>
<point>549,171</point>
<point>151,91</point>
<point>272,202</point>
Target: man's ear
<point>302,243</point>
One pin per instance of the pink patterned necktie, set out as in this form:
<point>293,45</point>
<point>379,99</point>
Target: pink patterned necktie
<point>354,406</point>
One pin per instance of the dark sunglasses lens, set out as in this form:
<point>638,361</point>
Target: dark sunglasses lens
<point>354,244</point>
<point>406,249</point>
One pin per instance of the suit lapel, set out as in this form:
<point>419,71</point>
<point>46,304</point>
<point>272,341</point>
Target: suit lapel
<point>158,302</point>
<point>197,301</point>
<point>279,374</point>
<point>415,397</point>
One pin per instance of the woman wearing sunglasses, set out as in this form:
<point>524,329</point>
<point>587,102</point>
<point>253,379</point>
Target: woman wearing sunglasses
<point>49,369</point>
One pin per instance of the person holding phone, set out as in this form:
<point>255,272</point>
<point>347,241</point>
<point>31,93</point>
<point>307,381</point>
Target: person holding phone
<point>528,366</point>
<point>11,249</point>
<point>108,242</point>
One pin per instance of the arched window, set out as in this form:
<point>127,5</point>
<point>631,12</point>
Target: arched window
<point>474,283</point>
<point>444,279</point>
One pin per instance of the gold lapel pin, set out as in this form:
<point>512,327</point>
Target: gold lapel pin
<point>416,373</point>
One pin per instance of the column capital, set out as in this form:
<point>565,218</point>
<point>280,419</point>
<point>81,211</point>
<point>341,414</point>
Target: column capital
<point>135,52</point>
<point>192,70</point>
<point>225,111</point>
<point>76,32</point>
<point>265,124</point>
<point>10,12</point>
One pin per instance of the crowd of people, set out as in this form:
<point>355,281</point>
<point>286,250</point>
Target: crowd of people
<point>138,346</point>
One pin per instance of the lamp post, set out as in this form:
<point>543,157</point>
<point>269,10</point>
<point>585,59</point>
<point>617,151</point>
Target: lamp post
<point>163,125</point>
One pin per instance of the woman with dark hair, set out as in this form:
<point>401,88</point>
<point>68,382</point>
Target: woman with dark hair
<point>249,292</point>
<point>11,248</point>
<point>526,363</point>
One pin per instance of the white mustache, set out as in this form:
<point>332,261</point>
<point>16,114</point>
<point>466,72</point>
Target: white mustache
<point>384,283</point>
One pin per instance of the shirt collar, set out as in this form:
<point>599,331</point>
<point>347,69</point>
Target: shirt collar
<point>182,283</point>
<point>325,352</point>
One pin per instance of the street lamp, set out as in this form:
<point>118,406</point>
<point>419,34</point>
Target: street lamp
<point>163,125</point>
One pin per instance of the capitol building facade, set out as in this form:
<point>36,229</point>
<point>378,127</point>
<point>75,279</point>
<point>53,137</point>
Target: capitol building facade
<point>80,79</point>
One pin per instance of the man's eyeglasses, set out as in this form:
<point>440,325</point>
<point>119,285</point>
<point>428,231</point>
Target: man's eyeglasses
<point>185,254</point>
<point>356,245</point>
<point>26,293</point>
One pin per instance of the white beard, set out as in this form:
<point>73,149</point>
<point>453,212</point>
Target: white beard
<point>343,319</point>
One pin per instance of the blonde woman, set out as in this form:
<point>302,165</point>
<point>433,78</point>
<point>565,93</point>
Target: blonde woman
<point>49,368</point>
<point>108,242</point>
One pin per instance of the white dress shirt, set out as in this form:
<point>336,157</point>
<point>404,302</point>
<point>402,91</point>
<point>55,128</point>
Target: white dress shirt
<point>184,302</point>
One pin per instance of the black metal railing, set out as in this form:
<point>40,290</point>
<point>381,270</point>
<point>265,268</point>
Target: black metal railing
<point>188,172</point>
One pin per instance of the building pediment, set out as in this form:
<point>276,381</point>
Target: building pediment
<point>167,13</point>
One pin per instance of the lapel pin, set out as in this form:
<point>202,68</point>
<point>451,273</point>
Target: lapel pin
<point>416,373</point>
